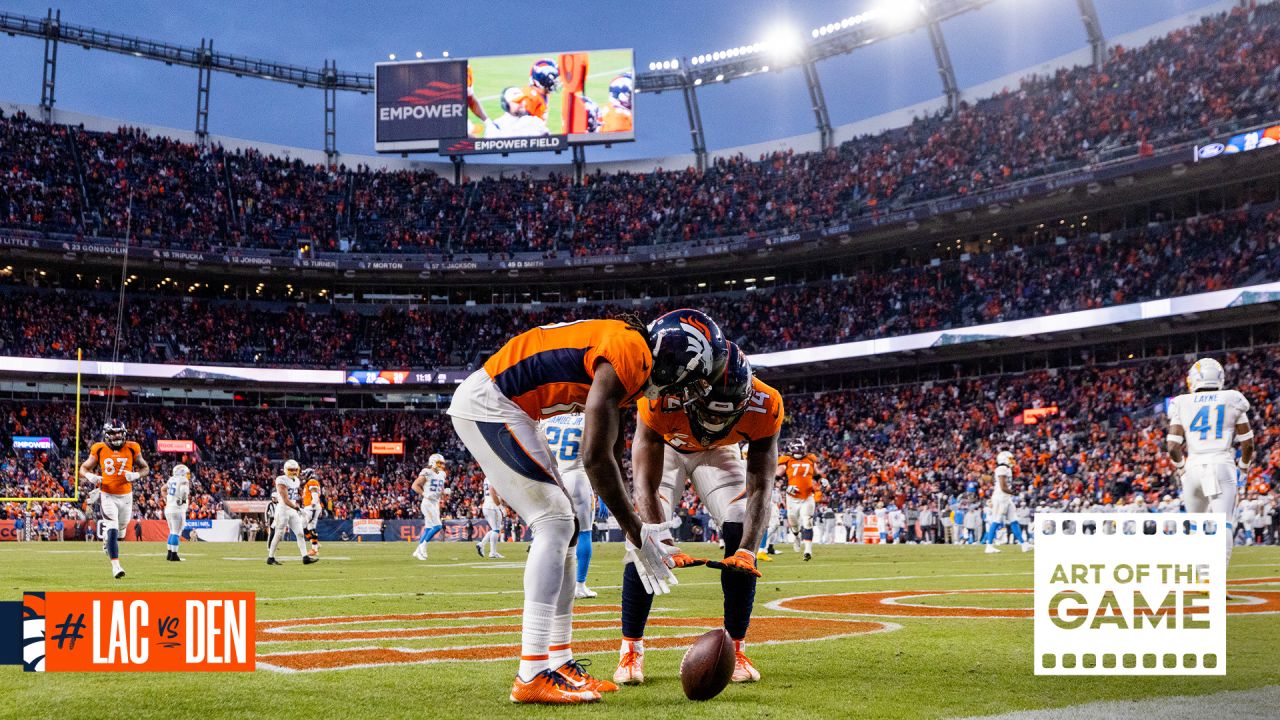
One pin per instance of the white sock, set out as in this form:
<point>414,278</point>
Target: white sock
<point>561,636</point>
<point>535,636</point>
<point>302,545</point>
<point>808,546</point>
<point>115,566</point>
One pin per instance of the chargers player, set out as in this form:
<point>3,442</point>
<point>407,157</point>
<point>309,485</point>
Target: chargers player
<point>801,470</point>
<point>564,437</point>
<point>697,441</point>
<point>491,508</point>
<point>430,485</point>
<point>177,494</point>
<point>122,465</point>
<point>1205,428</point>
<point>312,509</point>
<point>1002,512</point>
<point>596,367</point>
<point>618,117</point>
<point>287,513</point>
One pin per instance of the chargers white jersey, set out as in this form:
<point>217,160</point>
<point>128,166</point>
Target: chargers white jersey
<point>1209,419</point>
<point>488,503</point>
<point>1005,472</point>
<point>564,437</point>
<point>291,486</point>
<point>177,491</point>
<point>434,486</point>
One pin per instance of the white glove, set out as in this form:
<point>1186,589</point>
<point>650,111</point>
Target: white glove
<point>132,476</point>
<point>91,477</point>
<point>825,485</point>
<point>93,496</point>
<point>653,558</point>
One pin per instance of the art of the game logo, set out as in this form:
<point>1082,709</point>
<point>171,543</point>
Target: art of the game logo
<point>1130,594</point>
<point>131,632</point>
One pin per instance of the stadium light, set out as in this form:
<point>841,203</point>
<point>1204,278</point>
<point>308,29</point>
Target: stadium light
<point>898,13</point>
<point>783,42</point>
<point>391,56</point>
<point>418,54</point>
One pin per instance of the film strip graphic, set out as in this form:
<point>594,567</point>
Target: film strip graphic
<point>1131,594</point>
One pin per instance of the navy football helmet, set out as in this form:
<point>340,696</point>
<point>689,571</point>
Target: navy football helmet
<point>113,434</point>
<point>713,415</point>
<point>545,74</point>
<point>689,350</point>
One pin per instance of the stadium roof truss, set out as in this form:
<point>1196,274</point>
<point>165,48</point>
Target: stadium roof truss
<point>882,22</point>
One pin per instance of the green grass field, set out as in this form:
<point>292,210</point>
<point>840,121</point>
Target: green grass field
<point>922,667</point>
<point>494,74</point>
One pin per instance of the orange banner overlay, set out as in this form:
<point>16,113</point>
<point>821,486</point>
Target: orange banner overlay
<point>146,631</point>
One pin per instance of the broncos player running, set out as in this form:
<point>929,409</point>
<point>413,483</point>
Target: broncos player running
<point>491,508</point>
<point>177,494</point>
<point>698,441</point>
<point>564,437</point>
<point>122,465</point>
<point>597,367</point>
<point>801,470</point>
<point>1205,428</point>
<point>430,485</point>
<point>287,513</point>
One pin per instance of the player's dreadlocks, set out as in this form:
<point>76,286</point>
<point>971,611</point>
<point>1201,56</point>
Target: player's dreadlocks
<point>634,322</point>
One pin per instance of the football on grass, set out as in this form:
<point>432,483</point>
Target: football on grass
<point>707,665</point>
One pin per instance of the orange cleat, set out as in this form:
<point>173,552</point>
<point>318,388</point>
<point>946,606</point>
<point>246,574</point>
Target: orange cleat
<point>577,673</point>
<point>743,670</point>
<point>630,668</point>
<point>551,688</point>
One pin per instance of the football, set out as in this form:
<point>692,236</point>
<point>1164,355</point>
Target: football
<point>707,665</point>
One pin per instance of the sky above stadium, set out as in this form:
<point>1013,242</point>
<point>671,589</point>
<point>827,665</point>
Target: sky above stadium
<point>1003,37</point>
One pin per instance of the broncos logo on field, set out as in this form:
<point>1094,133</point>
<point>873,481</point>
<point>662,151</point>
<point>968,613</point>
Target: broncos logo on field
<point>33,632</point>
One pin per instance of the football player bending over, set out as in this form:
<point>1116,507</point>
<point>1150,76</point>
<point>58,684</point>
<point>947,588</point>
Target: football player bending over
<point>696,440</point>
<point>287,513</point>
<point>430,485</point>
<point>564,437</point>
<point>177,494</point>
<point>122,465</point>
<point>1205,426</point>
<point>592,366</point>
<point>801,471</point>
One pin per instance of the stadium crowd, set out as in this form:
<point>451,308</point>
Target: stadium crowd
<point>1194,82</point>
<point>920,448</point>
<point>1088,271</point>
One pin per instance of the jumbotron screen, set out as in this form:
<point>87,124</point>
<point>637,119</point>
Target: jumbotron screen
<point>506,103</point>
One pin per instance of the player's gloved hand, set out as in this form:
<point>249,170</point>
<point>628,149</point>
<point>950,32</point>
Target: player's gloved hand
<point>684,560</point>
<point>308,474</point>
<point>793,490</point>
<point>743,561</point>
<point>93,496</point>
<point>825,484</point>
<point>132,476</point>
<point>91,477</point>
<point>653,558</point>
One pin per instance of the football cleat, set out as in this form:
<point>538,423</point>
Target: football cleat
<point>273,561</point>
<point>630,668</point>
<point>577,674</point>
<point>991,550</point>
<point>1027,547</point>
<point>770,550</point>
<point>119,574</point>
<point>420,553</point>
<point>312,552</point>
<point>743,670</point>
<point>796,547</point>
<point>808,557</point>
<point>581,591</point>
<point>764,557</point>
<point>308,560</point>
<point>550,688</point>
<point>496,555</point>
<point>480,549</point>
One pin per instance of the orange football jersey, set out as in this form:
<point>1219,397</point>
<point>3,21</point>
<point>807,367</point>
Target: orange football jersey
<point>667,417</point>
<point>801,474</point>
<point>548,370</point>
<point>312,488</point>
<point>534,101</point>
<point>616,120</point>
<point>113,464</point>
